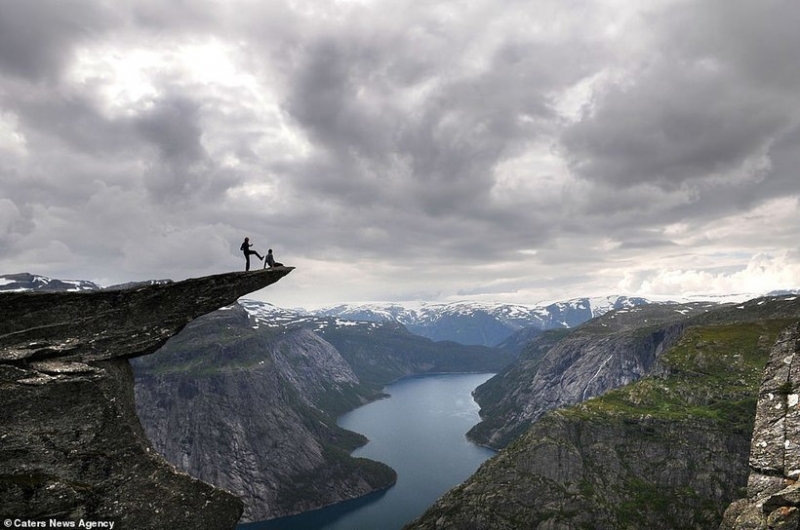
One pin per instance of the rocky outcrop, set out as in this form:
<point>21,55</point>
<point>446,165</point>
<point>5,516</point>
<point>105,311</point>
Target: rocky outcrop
<point>773,491</point>
<point>101,325</point>
<point>72,445</point>
<point>251,409</point>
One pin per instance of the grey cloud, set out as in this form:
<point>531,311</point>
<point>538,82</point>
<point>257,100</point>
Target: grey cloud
<point>436,155</point>
<point>172,127</point>
<point>703,127</point>
<point>781,178</point>
<point>405,118</point>
<point>325,95</point>
<point>182,171</point>
<point>647,244</point>
<point>37,38</point>
<point>158,16</point>
<point>678,123</point>
<point>758,39</point>
<point>69,118</point>
<point>711,96</point>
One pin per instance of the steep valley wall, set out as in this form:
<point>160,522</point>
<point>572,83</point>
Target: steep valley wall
<point>669,451</point>
<point>248,410</point>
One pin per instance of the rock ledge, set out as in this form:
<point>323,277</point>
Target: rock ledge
<point>72,445</point>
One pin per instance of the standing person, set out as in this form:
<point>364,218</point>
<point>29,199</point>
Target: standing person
<point>246,249</point>
<point>270,260</point>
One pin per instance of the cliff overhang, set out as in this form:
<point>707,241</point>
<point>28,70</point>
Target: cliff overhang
<point>72,446</point>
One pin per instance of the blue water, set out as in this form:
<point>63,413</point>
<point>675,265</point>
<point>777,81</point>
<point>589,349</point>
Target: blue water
<point>419,431</point>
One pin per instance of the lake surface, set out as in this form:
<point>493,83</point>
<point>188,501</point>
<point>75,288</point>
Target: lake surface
<point>420,432</point>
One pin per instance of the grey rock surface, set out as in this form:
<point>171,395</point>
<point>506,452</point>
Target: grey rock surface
<point>101,325</point>
<point>586,474</point>
<point>247,408</point>
<point>72,445</point>
<point>556,370</point>
<point>773,493</point>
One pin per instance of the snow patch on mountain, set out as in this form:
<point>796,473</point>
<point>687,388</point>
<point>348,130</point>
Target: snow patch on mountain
<point>269,315</point>
<point>514,315</point>
<point>33,282</point>
<point>466,322</point>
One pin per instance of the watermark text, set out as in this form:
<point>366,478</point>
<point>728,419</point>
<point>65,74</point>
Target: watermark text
<point>85,524</point>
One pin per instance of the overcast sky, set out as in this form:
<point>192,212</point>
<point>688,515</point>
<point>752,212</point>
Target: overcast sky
<point>405,150</point>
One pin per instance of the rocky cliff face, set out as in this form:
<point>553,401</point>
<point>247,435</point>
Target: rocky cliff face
<point>247,398</point>
<point>251,409</point>
<point>773,493</point>
<point>72,445</point>
<point>561,368</point>
<point>669,451</point>
<point>599,475</point>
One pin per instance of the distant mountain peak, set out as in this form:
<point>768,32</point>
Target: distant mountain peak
<point>26,281</point>
<point>269,315</point>
<point>465,321</point>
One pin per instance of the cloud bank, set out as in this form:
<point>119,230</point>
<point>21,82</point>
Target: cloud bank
<point>402,150</point>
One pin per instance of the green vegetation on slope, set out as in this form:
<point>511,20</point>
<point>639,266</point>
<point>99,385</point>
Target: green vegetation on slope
<point>220,341</point>
<point>668,451</point>
<point>709,383</point>
<point>712,372</point>
<point>563,367</point>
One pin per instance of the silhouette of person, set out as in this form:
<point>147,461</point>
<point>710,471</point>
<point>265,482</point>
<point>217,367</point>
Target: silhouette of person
<point>270,260</point>
<point>246,249</point>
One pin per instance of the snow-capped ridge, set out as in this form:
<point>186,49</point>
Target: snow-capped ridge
<point>25,281</point>
<point>269,315</point>
<point>479,322</point>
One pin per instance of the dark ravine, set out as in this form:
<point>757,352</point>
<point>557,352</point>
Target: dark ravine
<point>73,446</point>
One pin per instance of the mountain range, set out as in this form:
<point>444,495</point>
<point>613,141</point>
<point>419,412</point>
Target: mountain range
<point>484,323</point>
<point>640,419</point>
<point>25,281</point>
<point>33,282</point>
<point>509,326</point>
